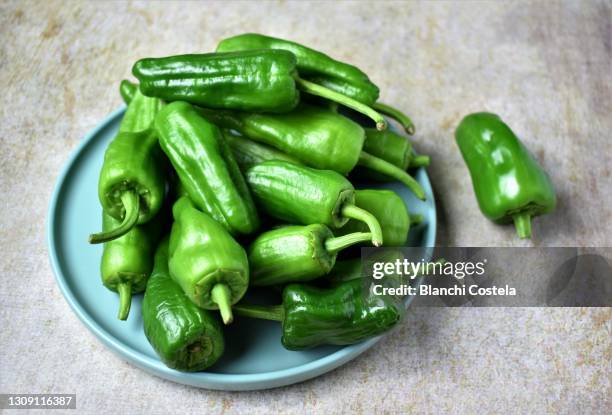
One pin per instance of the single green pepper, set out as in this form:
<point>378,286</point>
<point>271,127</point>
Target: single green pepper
<point>208,264</point>
<point>206,167</point>
<point>132,182</point>
<point>127,261</point>
<point>390,211</point>
<point>316,136</point>
<point>509,183</point>
<point>296,253</point>
<point>251,80</point>
<point>184,336</point>
<point>341,315</point>
<point>127,90</point>
<point>303,195</point>
<point>249,153</point>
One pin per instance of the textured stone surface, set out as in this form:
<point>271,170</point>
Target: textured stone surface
<point>545,66</point>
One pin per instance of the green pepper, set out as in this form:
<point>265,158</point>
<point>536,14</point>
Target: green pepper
<point>296,253</point>
<point>127,90</point>
<point>509,183</point>
<point>127,261</point>
<point>390,211</point>
<point>341,315</point>
<point>303,195</point>
<point>249,153</point>
<point>132,182</point>
<point>208,264</point>
<point>316,136</point>
<point>251,80</point>
<point>184,336</point>
<point>206,167</point>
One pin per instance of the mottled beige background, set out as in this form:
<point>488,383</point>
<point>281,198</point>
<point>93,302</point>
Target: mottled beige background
<point>545,66</point>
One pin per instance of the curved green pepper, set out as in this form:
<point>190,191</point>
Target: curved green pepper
<point>316,136</point>
<point>509,183</point>
<point>296,253</point>
<point>184,336</point>
<point>208,264</point>
<point>390,211</point>
<point>127,261</point>
<point>341,315</point>
<point>206,167</point>
<point>132,182</point>
<point>249,153</point>
<point>303,195</point>
<point>250,80</point>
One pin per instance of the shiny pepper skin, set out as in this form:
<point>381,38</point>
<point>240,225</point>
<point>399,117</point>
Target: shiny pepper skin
<point>185,337</point>
<point>509,183</point>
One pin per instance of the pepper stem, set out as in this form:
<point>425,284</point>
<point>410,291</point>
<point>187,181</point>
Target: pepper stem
<point>131,203</point>
<point>125,299</point>
<point>420,160</point>
<point>221,295</point>
<point>357,213</point>
<point>273,312</point>
<point>391,170</point>
<point>522,223</point>
<point>321,91</point>
<point>338,243</point>
<point>397,115</point>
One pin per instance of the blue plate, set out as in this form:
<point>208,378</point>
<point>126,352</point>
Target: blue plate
<point>254,358</point>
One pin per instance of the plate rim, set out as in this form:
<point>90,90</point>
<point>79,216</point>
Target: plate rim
<point>215,381</point>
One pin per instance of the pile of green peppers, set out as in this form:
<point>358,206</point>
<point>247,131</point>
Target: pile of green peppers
<point>231,170</point>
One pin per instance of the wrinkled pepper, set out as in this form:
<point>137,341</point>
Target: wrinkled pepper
<point>342,315</point>
<point>251,80</point>
<point>127,261</point>
<point>390,211</point>
<point>508,182</point>
<point>208,264</point>
<point>303,195</point>
<point>296,253</point>
<point>316,136</point>
<point>249,153</point>
<point>206,167</point>
<point>132,182</point>
<point>184,336</point>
